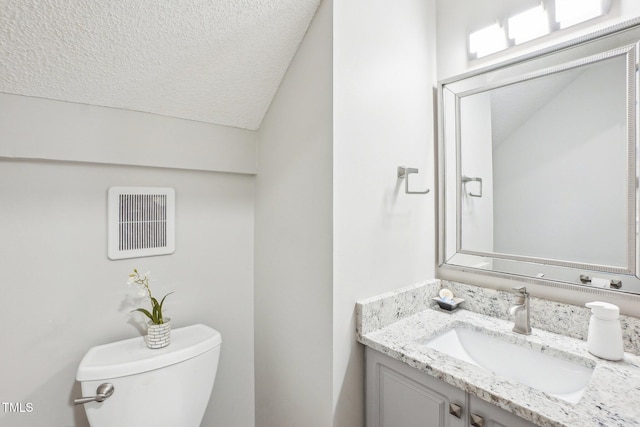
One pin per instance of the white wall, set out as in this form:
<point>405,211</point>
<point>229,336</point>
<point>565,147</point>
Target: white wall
<point>384,77</point>
<point>60,294</point>
<point>333,224</point>
<point>37,128</point>
<point>293,277</point>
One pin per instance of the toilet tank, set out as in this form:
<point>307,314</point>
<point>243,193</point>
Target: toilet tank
<point>166,387</point>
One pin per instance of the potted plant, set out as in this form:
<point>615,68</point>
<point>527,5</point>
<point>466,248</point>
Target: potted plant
<point>158,326</point>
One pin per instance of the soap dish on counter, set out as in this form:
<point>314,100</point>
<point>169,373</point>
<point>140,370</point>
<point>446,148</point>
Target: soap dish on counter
<point>448,304</point>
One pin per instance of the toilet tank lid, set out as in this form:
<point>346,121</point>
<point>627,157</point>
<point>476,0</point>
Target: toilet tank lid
<point>131,356</point>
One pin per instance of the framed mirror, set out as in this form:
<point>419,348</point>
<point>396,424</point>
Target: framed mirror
<point>538,166</point>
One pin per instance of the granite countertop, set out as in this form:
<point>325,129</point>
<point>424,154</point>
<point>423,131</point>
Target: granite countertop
<point>611,398</point>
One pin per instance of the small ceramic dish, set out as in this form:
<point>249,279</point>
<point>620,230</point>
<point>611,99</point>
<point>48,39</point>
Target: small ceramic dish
<point>448,305</point>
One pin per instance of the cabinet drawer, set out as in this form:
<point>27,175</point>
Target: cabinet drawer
<point>494,416</point>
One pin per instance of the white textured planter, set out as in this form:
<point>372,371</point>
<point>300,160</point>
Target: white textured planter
<point>158,336</point>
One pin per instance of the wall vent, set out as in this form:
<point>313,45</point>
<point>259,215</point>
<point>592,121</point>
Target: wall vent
<point>141,222</point>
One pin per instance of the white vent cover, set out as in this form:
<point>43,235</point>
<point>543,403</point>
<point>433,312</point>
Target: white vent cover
<point>141,222</point>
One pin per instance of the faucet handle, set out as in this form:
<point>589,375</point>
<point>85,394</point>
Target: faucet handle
<point>522,290</point>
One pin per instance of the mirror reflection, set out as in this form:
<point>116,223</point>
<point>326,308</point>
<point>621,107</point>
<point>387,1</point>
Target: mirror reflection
<point>551,153</point>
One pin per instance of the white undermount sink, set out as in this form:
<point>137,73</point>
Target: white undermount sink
<point>557,377</point>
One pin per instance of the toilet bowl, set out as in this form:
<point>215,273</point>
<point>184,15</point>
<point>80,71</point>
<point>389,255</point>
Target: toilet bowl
<point>166,387</point>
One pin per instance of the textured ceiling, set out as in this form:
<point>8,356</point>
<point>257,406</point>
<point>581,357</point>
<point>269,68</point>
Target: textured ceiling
<point>216,61</point>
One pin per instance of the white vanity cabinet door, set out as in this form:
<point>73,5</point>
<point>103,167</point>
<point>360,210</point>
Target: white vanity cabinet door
<point>398,395</point>
<point>492,416</point>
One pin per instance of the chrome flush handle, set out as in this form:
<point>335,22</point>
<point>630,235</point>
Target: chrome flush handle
<point>103,392</point>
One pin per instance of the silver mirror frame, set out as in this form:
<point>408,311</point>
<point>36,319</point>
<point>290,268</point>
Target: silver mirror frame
<point>623,39</point>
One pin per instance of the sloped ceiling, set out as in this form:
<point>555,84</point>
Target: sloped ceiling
<point>215,61</point>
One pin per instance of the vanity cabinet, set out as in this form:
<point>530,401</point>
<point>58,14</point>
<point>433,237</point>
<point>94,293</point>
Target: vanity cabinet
<point>398,395</point>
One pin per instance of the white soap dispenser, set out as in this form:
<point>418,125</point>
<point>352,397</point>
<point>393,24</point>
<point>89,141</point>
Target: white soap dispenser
<point>605,333</point>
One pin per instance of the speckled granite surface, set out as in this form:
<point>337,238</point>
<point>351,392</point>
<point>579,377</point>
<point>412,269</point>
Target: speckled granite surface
<point>564,319</point>
<point>400,323</point>
<point>379,311</point>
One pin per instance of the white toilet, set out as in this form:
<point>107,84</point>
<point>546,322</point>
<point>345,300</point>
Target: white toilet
<point>167,387</point>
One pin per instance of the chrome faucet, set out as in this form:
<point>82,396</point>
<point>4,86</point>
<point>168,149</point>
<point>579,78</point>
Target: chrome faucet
<point>521,312</point>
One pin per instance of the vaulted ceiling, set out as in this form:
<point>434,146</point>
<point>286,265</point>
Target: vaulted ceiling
<point>215,61</point>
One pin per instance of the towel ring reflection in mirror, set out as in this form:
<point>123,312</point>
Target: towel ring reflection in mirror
<point>466,179</point>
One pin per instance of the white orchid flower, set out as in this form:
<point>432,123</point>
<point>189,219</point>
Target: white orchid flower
<point>155,315</point>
